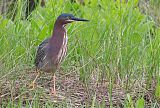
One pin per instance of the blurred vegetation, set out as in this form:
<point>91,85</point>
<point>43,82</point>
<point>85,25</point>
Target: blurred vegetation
<point>120,43</point>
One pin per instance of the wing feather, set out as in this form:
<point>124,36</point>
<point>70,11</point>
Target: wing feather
<point>41,53</point>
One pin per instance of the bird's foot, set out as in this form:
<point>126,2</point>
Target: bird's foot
<point>32,86</point>
<point>53,91</point>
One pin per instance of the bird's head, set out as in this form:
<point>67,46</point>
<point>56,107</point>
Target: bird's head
<point>68,18</point>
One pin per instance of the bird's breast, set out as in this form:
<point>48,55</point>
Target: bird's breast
<point>63,50</point>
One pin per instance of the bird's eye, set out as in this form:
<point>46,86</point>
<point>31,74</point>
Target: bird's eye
<point>69,17</point>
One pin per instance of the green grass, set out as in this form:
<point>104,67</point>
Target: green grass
<point>119,44</point>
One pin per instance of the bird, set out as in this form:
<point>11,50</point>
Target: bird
<point>52,51</point>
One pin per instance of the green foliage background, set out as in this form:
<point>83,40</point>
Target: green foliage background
<point>118,42</point>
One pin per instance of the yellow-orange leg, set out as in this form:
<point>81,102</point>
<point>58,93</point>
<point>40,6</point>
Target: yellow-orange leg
<point>32,85</point>
<point>53,89</point>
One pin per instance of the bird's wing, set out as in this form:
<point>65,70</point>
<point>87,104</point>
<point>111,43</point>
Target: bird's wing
<point>41,52</point>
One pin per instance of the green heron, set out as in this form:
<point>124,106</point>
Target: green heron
<point>52,50</point>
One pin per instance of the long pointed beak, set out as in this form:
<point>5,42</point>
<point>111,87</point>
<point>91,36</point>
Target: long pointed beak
<point>78,19</point>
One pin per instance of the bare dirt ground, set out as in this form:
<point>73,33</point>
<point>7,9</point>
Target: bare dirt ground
<point>69,90</point>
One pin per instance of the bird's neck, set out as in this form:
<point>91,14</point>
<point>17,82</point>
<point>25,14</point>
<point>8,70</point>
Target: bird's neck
<point>59,32</point>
